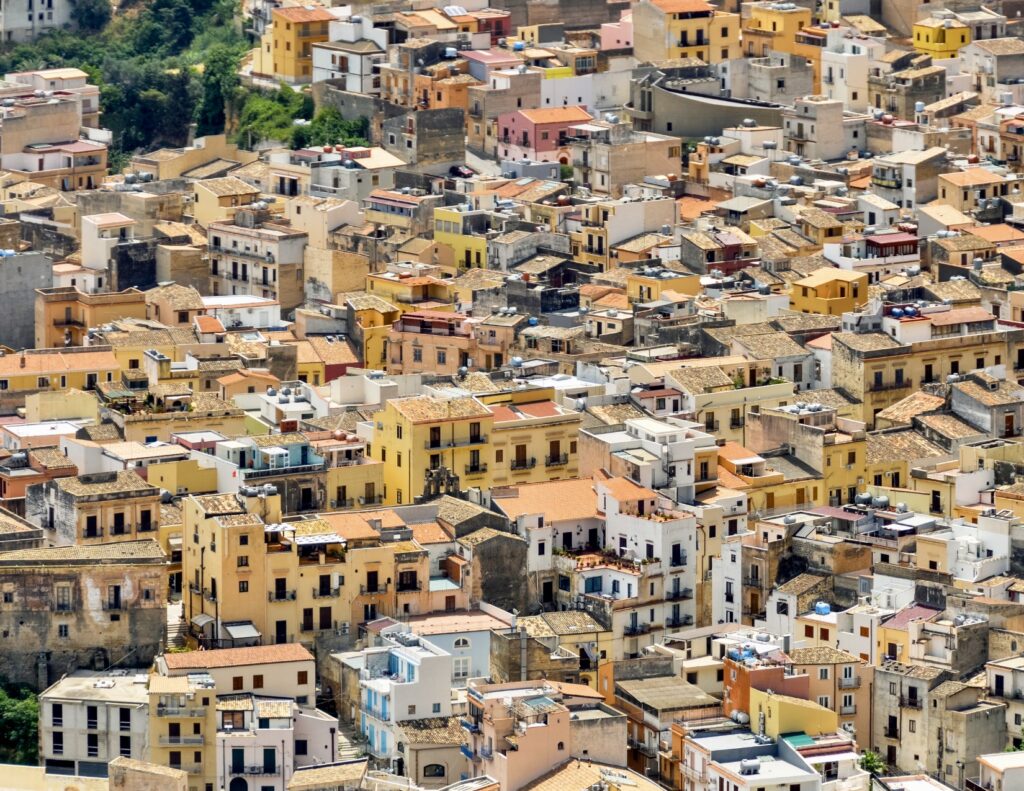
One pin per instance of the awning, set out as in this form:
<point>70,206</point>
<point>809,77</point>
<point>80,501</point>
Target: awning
<point>202,620</point>
<point>242,631</point>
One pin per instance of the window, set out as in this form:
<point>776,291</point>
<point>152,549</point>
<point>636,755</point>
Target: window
<point>412,709</point>
<point>442,357</point>
<point>433,770</point>
<point>541,547</point>
<point>823,673</point>
<point>257,682</point>
<point>300,747</point>
<point>808,631</point>
<point>460,667</point>
<point>63,630</point>
<point>243,586</point>
<point>825,701</point>
<point>243,540</point>
<point>435,708</point>
<point>912,726</point>
<point>864,631</point>
<point>303,677</point>
<point>125,747</point>
<point>58,743</point>
<point>462,642</point>
<point>243,560</point>
<point>561,745</point>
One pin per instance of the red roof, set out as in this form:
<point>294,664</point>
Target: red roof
<point>915,612</point>
<point>231,657</point>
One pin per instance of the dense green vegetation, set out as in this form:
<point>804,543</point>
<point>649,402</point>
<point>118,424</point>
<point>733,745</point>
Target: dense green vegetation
<point>19,722</point>
<point>168,63</point>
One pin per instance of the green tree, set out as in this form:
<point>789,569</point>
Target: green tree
<point>19,722</point>
<point>91,15</point>
<point>872,762</point>
<point>219,84</point>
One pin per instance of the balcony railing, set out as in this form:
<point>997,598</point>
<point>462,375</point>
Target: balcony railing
<point>476,469</point>
<point>374,500</point>
<point>470,725</point>
<point>851,709</point>
<point>910,703</point>
<point>975,785</point>
<point>892,733</point>
<point>67,321</point>
<point>479,439</point>
<point>291,470</point>
<point>333,593</point>
<point>633,629</point>
<point>556,461</point>
<point>175,711</point>
<point>254,770</point>
<point>675,561</point>
<point>675,622</point>
<point>467,751</point>
<point>287,595</point>
<point>366,591</point>
<point>754,582</point>
<point>678,594</point>
<point>187,740</point>
<point>849,683</point>
<point>876,387</point>
<point>409,587</point>
<point>736,422</point>
<point>523,464</point>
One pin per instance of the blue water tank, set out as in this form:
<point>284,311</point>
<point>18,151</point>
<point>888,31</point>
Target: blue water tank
<point>822,608</point>
<point>897,313</point>
<point>533,321</point>
<point>519,46</point>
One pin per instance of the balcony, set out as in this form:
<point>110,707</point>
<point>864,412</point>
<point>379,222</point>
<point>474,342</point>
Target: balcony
<point>372,500</point>
<point>467,751</point>
<point>469,725</point>
<point>347,503</point>
<point>62,606</point>
<point>523,464</point>
<point>478,439</point>
<point>679,594</point>
<point>851,709</point>
<point>486,752</point>
<point>975,785</point>
<point>367,591</point>
<point>641,747</point>
<point>910,703</point>
<point>67,321</point>
<point>676,622</point>
<point>285,595</point>
<point>754,582</point>
<point>333,593</point>
<point>711,425</point>
<point>849,683</point>
<point>736,422</point>
<point>675,561</point>
<point>254,770</point>
<point>476,469</point>
<point>170,741</point>
<point>698,776</point>
<point>892,733</point>
<point>635,629</point>
<point>556,461</point>
<point>297,469</point>
<point>877,387</point>
<point>113,606</point>
<point>175,711</point>
<point>887,181</point>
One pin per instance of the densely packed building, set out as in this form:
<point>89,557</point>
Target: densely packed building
<point>640,405</point>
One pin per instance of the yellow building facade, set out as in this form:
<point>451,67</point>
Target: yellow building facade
<point>294,31</point>
<point>830,292</point>
<point>940,38</point>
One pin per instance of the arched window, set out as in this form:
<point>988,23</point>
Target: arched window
<point>462,642</point>
<point>433,770</point>
<point>561,745</point>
